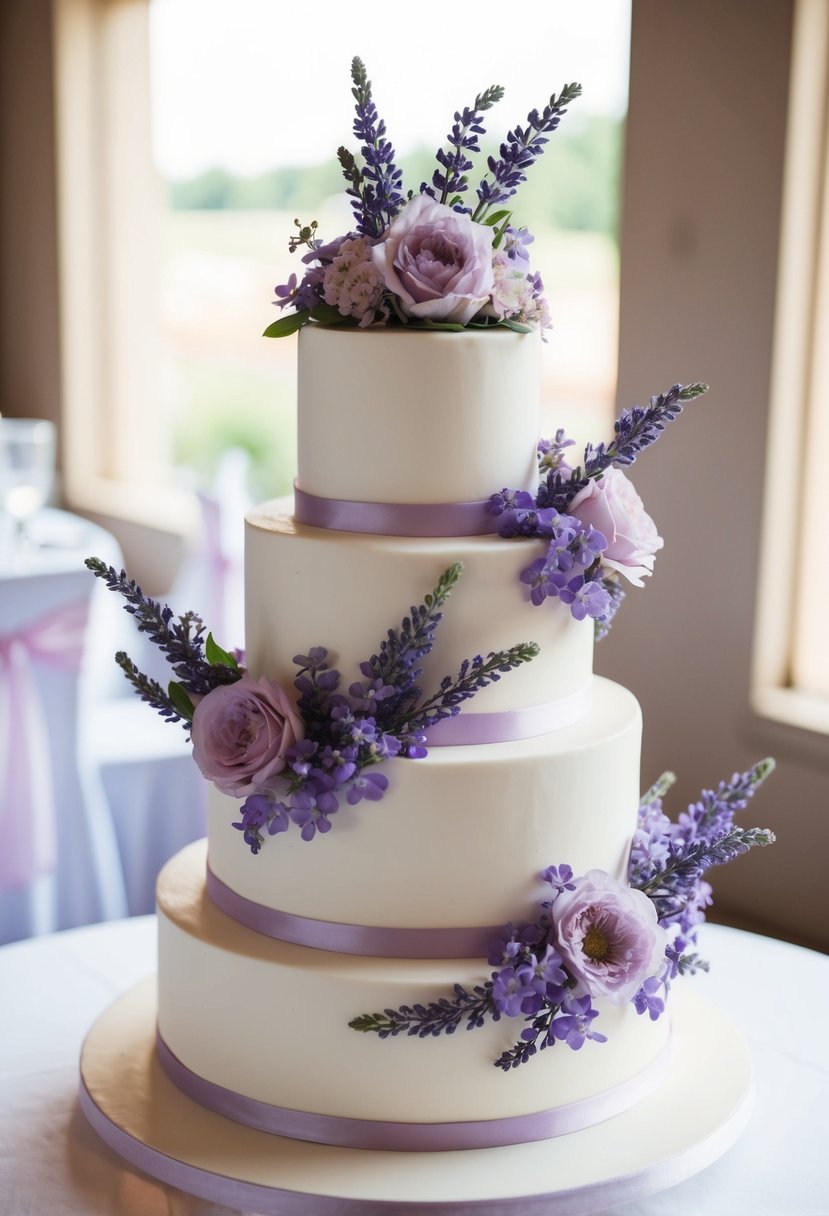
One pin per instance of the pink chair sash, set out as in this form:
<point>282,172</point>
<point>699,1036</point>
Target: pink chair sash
<point>28,822</point>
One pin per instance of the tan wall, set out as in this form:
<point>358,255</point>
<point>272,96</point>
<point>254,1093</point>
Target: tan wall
<point>701,211</point>
<point>29,367</point>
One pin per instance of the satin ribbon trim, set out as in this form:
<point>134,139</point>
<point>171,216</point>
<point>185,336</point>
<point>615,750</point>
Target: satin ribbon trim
<point>395,518</point>
<point>372,941</point>
<point>511,725</point>
<point>410,1137</point>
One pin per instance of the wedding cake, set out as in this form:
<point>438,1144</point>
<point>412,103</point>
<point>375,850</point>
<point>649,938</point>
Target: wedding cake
<point>386,863</point>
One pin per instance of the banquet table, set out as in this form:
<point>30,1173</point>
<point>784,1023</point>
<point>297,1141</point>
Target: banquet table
<point>53,988</point>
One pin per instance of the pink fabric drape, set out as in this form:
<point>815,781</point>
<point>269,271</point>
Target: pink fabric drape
<point>28,824</point>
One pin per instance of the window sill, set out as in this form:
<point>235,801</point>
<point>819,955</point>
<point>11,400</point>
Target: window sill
<point>791,723</point>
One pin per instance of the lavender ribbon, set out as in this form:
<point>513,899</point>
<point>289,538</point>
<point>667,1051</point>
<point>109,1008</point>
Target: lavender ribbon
<point>28,828</point>
<point>395,518</point>
<point>411,1137</point>
<point>370,940</point>
<point>510,724</point>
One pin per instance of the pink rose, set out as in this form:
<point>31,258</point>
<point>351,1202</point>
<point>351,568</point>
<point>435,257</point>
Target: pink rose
<point>241,732</point>
<point>608,936</point>
<point>436,261</point>
<point>611,505</point>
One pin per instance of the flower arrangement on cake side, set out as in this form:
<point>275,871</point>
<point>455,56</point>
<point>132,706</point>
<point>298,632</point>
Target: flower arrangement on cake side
<point>590,516</point>
<point>597,938</point>
<point>294,756</point>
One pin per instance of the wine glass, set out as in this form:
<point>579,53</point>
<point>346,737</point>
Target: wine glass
<point>27,468</point>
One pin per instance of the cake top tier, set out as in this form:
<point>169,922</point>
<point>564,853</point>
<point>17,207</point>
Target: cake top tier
<point>416,417</point>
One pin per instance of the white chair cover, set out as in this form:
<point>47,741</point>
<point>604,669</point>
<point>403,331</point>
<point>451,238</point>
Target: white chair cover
<point>59,859</point>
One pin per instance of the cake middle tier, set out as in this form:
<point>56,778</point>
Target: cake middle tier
<point>308,587</point>
<point>460,837</point>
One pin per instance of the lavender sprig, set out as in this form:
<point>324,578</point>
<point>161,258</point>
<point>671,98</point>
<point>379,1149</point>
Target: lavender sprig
<point>443,1016</point>
<point>634,430</point>
<point>522,147</point>
<point>375,189</point>
<point>396,663</point>
<point>474,675</point>
<point>462,139</point>
<point>180,639</point>
<point>150,690</point>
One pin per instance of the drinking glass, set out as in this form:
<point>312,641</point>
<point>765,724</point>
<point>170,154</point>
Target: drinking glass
<point>27,468</point>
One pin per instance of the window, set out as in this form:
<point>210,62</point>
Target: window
<point>791,663</point>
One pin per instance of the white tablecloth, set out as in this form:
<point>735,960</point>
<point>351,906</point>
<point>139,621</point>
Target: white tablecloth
<point>51,1162</point>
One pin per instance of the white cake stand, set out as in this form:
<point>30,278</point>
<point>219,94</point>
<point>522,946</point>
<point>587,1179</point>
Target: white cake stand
<point>697,1113</point>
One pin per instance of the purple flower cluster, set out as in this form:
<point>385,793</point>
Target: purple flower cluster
<point>425,259</point>
<point>668,860</point>
<point>346,736</point>
<point>532,981</point>
<point>520,150</point>
<point>571,569</point>
<point>334,765</point>
<point>597,938</point>
<point>450,179</point>
<point>591,517</point>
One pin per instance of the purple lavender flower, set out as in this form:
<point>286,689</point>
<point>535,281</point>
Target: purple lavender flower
<point>560,879</point>
<point>515,243</point>
<point>285,292</point>
<point>536,577</point>
<point>312,804</point>
<point>521,149</point>
<point>368,785</point>
<point>646,999</point>
<point>510,500</point>
<point>375,190</point>
<point>503,952</point>
<point>462,139</point>
<point>511,988</point>
<point>573,1024</point>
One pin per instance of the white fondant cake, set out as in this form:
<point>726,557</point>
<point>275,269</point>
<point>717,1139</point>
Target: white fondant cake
<point>460,837</point>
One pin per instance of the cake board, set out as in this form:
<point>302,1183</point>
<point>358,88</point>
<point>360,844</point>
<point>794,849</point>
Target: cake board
<point>698,1112</point>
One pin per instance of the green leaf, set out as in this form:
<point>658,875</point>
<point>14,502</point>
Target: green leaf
<point>288,324</point>
<point>180,700</point>
<point>427,323</point>
<point>217,657</point>
<point>496,217</point>
<point>518,326</point>
<point>328,314</point>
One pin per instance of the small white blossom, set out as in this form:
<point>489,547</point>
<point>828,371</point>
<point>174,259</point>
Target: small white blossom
<point>352,283</point>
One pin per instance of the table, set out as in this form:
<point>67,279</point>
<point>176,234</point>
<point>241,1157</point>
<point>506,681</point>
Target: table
<point>53,988</point>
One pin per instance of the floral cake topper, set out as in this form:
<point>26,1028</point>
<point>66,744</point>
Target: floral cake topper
<point>432,259</point>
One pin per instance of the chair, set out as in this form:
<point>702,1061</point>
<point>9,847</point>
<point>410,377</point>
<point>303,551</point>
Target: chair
<point>59,859</point>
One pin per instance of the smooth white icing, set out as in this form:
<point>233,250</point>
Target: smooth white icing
<point>270,1021</point>
<point>309,587</point>
<point>460,837</point>
<point>413,417</point>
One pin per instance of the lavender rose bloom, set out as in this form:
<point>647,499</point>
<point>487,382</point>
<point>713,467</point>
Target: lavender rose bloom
<point>611,505</point>
<point>608,936</point>
<point>436,261</point>
<point>241,732</point>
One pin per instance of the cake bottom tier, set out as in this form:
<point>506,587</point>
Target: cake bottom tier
<point>268,1021</point>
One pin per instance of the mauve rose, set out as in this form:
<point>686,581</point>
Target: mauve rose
<point>608,936</point>
<point>611,505</point>
<point>436,261</point>
<point>241,732</point>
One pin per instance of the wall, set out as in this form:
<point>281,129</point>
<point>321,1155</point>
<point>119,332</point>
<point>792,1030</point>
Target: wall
<point>701,211</point>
